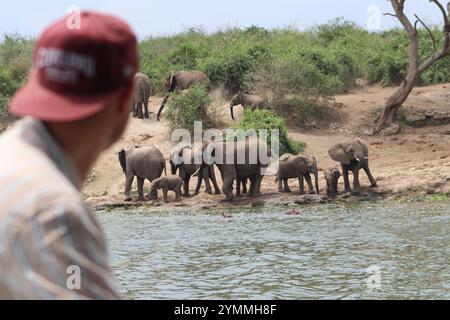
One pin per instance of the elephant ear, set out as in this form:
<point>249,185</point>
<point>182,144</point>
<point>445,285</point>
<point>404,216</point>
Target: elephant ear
<point>338,153</point>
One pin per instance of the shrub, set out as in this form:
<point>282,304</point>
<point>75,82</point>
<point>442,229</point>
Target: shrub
<point>231,71</point>
<point>186,107</point>
<point>265,119</point>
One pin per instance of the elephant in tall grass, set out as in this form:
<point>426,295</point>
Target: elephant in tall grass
<point>142,91</point>
<point>248,100</point>
<point>182,80</point>
<point>353,154</point>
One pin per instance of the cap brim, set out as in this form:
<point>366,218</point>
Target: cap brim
<point>37,101</point>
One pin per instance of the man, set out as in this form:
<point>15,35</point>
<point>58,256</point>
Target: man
<point>75,105</point>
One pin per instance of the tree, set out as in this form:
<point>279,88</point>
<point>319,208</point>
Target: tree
<point>416,67</point>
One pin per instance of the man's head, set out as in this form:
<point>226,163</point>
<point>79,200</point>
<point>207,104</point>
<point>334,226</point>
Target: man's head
<point>82,77</point>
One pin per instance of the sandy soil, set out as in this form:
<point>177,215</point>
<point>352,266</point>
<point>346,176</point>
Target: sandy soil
<point>415,161</point>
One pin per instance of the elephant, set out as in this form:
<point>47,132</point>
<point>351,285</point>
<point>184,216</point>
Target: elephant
<point>353,154</point>
<point>248,100</point>
<point>172,183</point>
<point>332,176</point>
<point>182,159</point>
<point>299,167</point>
<point>234,163</point>
<point>182,80</point>
<point>142,92</point>
<point>144,163</point>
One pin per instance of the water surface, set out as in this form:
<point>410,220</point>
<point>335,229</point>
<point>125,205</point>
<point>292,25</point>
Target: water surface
<point>323,253</point>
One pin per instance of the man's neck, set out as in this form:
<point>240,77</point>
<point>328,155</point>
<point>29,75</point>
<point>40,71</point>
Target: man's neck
<point>82,155</point>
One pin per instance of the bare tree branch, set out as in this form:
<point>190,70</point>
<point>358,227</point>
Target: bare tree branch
<point>428,29</point>
<point>390,14</point>
<point>444,13</point>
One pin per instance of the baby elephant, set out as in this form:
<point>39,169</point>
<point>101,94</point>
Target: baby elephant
<point>332,175</point>
<point>172,183</point>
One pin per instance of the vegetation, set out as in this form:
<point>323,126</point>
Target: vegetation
<point>186,107</point>
<point>293,68</point>
<point>265,119</point>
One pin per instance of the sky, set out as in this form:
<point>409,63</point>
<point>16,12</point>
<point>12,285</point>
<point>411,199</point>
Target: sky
<point>165,17</point>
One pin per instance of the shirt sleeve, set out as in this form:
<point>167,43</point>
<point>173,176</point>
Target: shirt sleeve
<point>61,254</point>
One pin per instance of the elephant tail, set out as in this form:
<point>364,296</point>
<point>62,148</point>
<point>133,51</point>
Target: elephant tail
<point>276,179</point>
<point>123,160</point>
<point>165,170</point>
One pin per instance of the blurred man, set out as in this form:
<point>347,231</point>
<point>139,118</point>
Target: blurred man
<point>75,105</point>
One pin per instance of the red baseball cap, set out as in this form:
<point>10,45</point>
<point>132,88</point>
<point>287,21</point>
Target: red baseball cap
<point>77,69</point>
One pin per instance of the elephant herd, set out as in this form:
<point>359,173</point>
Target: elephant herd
<point>182,80</point>
<point>148,163</point>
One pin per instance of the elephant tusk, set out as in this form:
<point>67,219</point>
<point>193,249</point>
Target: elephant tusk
<point>357,159</point>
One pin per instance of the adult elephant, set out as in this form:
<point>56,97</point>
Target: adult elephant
<point>241,159</point>
<point>183,160</point>
<point>142,91</point>
<point>144,163</point>
<point>300,167</point>
<point>353,154</point>
<point>248,100</point>
<point>182,80</point>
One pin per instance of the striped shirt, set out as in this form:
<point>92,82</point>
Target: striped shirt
<point>51,246</point>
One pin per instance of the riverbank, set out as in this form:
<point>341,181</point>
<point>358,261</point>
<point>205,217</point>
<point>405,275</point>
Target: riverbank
<point>415,162</point>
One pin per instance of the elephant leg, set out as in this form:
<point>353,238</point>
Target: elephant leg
<point>186,186</point>
<point>128,184</point>
<point>139,110</point>
<point>373,181</point>
<point>334,189</point>
<point>135,114</point>
<point>286,185</point>
<point>165,195</point>
<point>206,176</point>
<point>199,182</point>
<point>212,176</point>
<point>356,185</point>
<point>244,186</point>
<point>257,180</point>
<point>346,181</point>
<point>178,193</point>
<point>227,187</point>
<point>140,187</point>
<point>146,115</point>
<point>309,182</point>
<point>301,184</point>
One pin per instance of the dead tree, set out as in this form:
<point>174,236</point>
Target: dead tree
<point>416,67</point>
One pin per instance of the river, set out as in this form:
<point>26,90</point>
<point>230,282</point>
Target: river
<point>383,250</point>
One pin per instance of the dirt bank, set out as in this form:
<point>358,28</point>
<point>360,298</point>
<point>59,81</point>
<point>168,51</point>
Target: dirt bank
<point>415,161</point>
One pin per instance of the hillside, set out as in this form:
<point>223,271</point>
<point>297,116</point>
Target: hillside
<point>416,161</point>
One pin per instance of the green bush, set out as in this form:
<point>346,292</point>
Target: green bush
<point>265,119</point>
<point>231,71</point>
<point>186,107</point>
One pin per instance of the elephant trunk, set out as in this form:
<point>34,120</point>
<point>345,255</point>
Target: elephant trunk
<point>163,103</point>
<point>316,178</point>
<point>231,111</point>
<point>123,160</point>
<point>173,168</point>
